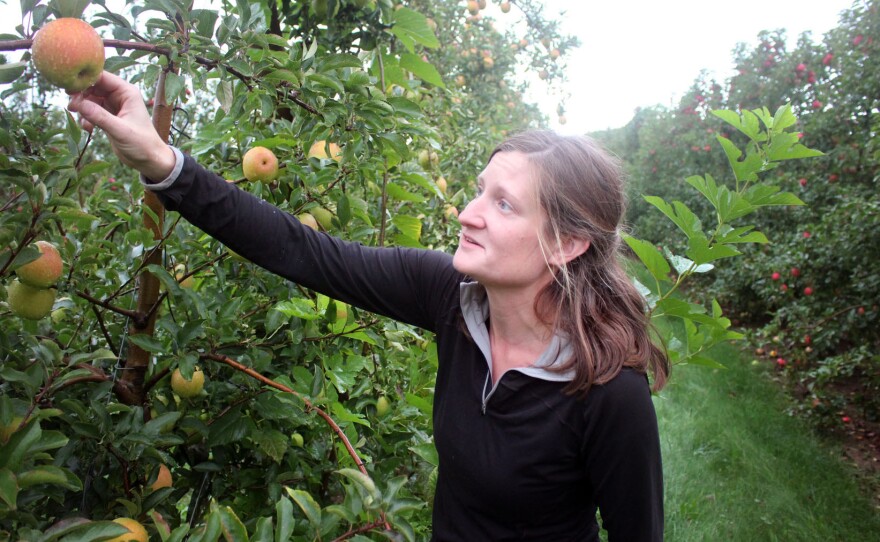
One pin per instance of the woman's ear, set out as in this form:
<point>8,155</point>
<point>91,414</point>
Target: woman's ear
<point>568,250</point>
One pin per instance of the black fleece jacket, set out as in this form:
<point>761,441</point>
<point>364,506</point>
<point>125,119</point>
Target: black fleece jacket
<point>518,461</point>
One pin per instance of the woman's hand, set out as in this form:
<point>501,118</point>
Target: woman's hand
<point>117,107</point>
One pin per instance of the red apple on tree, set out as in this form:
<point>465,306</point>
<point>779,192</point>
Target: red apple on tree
<point>45,270</point>
<point>69,54</point>
<point>260,164</point>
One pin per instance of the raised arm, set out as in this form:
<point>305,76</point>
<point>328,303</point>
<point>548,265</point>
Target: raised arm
<point>413,286</point>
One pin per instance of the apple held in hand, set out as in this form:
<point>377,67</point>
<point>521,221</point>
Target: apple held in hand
<point>29,302</point>
<point>69,54</point>
<point>45,270</point>
<point>260,164</point>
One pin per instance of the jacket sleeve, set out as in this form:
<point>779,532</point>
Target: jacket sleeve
<point>623,463</point>
<point>408,285</point>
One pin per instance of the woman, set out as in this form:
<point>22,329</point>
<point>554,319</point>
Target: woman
<point>542,407</point>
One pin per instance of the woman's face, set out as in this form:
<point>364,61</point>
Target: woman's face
<point>500,227</point>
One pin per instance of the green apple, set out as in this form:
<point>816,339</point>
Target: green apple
<point>29,302</point>
<point>187,388</point>
<point>69,54</point>
<point>382,406</point>
<point>45,270</point>
<point>297,440</point>
<point>323,216</point>
<point>260,164</point>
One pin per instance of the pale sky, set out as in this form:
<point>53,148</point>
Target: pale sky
<point>639,53</point>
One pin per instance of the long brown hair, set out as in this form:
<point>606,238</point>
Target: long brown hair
<point>581,189</point>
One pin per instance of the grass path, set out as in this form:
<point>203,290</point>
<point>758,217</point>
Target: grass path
<point>737,468</point>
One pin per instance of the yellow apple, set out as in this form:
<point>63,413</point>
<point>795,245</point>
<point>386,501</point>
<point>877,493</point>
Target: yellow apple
<point>163,479</point>
<point>260,164</point>
<point>319,150</point>
<point>187,388</point>
<point>137,533</point>
<point>29,302</point>
<point>180,273</point>
<point>45,270</point>
<point>441,184</point>
<point>309,220</point>
<point>69,54</point>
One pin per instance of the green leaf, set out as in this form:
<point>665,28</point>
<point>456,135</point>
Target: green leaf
<point>92,167</point>
<point>95,530</point>
<point>148,343</point>
<point>744,170</point>
<point>272,442</point>
<point>682,264</point>
<point>700,251</point>
<point>49,474</point>
<point>395,191</point>
<point>679,213</point>
<point>426,451</point>
<point>299,308</point>
<point>307,504</point>
<point>342,414</point>
<point>8,488</point>
<point>12,71</point>
<point>263,531</point>
<point>742,235</point>
<point>411,27</point>
<point>174,85</point>
<point>362,480</point>
<point>333,62</point>
<point>230,427</point>
<point>761,195</point>
<point>703,361</point>
<point>408,225</point>
<point>232,528</point>
<point>327,81</point>
<point>421,69</point>
<point>284,518</point>
<point>650,256</point>
<point>277,76</point>
<point>19,446</point>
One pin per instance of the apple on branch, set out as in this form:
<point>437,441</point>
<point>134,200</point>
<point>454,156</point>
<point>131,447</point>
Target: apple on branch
<point>45,270</point>
<point>69,53</point>
<point>29,302</point>
<point>260,164</point>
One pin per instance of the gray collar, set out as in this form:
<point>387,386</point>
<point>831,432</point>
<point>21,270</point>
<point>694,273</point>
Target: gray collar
<point>475,310</point>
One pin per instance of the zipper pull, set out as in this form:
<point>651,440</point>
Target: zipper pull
<point>484,407</point>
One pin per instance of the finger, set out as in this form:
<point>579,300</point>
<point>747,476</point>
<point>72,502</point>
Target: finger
<point>96,115</point>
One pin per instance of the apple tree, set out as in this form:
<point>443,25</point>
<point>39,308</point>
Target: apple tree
<point>174,383</point>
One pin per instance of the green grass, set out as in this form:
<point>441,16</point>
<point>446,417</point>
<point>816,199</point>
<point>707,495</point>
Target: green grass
<point>738,468</point>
